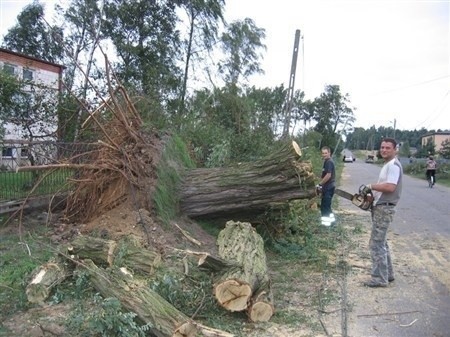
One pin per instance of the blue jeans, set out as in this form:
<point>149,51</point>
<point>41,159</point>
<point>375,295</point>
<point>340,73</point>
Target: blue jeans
<point>325,205</point>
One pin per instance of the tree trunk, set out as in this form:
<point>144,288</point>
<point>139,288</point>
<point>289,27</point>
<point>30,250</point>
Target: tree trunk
<point>109,252</point>
<point>239,242</point>
<point>96,249</point>
<point>261,306</point>
<point>249,188</point>
<point>165,319</point>
<point>44,280</point>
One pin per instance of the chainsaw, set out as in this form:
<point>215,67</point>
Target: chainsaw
<point>363,199</point>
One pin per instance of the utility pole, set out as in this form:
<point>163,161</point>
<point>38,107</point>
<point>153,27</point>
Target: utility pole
<point>395,122</point>
<point>290,95</point>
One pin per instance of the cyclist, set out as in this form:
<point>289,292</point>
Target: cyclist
<point>431,169</point>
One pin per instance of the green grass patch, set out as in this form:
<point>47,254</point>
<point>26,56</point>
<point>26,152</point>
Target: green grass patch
<point>19,259</point>
<point>175,159</point>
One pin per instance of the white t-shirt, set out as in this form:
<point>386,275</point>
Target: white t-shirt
<point>391,172</point>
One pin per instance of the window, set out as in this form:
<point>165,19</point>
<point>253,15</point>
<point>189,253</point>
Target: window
<point>7,152</point>
<point>27,74</point>
<point>9,69</point>
<point>24,152</point>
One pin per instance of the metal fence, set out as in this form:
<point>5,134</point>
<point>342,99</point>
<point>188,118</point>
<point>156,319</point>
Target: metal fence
<point>17,182</point>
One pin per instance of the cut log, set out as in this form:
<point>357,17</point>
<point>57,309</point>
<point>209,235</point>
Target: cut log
<point>248,189</point>
<point>212,263</point>
<point>239,243</point>
<point>138,259</point>
<point>43,280</point>
<point>165,319</point>
<point>96,249</point>
<point>261,306</point>
<point>109,252</point>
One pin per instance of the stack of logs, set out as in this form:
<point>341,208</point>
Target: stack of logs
<point>241,281</point>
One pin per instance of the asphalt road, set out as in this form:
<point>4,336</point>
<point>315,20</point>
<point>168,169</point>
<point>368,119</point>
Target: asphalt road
<point>417,303</point>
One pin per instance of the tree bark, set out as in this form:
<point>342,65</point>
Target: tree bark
<point>44,279</point>
<point>165,319</point>
<point>249,188</point>
<point>239,243</point>
<point>109,252</point>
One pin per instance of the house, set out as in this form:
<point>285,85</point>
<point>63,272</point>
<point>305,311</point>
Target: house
<point>45,75</point>
<point>437,138</point>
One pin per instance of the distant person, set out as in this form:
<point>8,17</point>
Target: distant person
<point>386,194</point>
<point>431,169</point>
<point>327,186</point>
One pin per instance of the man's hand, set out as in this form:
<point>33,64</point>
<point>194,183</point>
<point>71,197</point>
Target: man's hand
<point>318,189</point>
<point>364,190</point>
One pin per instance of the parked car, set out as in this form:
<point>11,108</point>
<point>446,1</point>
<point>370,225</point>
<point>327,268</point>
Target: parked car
<point>370,159</point>
<point>348,158</point>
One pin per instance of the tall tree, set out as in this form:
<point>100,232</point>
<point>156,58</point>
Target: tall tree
<point>82,21</point>
<point>242,44</point>
<point>203,19</point>
<point>147,43</point>
<point>32,35</point>
<point>332,112</point>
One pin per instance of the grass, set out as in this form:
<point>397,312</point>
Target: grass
<point>19,259</point>
<point>170,168</point>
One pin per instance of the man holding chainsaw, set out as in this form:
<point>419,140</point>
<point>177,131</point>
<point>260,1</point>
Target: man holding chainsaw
<point>326,186</point>
<point>386,194</point>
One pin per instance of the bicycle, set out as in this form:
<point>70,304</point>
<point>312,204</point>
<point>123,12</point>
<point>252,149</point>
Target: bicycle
<point>430,181</point>
<point>430,178</point>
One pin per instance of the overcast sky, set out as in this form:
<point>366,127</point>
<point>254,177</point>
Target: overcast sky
<point>391,56</point>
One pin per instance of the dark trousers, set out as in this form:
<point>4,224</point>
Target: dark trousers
<point>325,205</point>
<point>431,173</point>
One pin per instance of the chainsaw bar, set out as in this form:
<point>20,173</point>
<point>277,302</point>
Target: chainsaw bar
<point>344,194</point>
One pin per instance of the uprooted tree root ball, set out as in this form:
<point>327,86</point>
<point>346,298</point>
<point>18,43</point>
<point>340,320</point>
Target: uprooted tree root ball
<point>121,162</point>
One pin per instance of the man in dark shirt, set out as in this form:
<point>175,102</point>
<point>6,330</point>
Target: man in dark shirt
<point>327,185</point>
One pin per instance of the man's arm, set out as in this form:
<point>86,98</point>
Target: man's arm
<point>325,178</point>
<point>383,187</point>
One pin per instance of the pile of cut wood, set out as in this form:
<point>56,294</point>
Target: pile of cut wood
<point>240,278</point>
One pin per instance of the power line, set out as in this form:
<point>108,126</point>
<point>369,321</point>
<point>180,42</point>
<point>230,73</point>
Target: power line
<point>439,106</point>
<point>413,85</point>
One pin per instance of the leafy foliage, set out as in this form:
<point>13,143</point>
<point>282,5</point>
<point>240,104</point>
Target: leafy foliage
<point>107,318</point>
<point>445,151</point>
<point>45,42</point>
<point>241,44</point>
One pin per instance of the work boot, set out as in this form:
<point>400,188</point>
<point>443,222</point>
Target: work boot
<point>375,284</point>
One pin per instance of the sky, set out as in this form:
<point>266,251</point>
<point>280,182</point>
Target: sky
<point>392,57</point>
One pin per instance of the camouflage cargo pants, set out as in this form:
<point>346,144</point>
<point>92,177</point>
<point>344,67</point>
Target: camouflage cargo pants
<point>382,217</point>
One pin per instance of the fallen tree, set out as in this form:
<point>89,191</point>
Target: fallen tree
<point>108,252</point>
<point>163,318</point>
<point>248,189</point>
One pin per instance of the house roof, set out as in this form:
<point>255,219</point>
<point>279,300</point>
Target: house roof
<point>30,57</point>
<point>441,133</point>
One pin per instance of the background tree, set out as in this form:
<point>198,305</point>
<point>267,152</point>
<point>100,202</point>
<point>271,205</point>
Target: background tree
<point>331,112</point>
<point>82,20</point>
<point>204,17</point>
<point>32,35</point>
<point>241,44</point>
<point>147,42</point>
<point>445,151</point>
